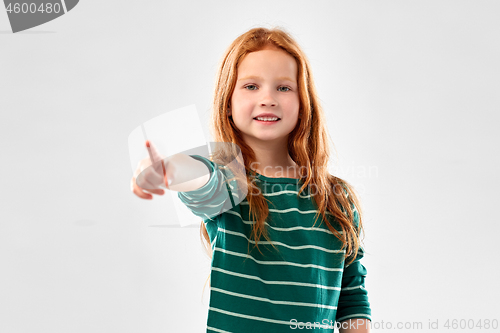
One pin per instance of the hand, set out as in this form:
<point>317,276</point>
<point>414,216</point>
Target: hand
<point>151,176</point>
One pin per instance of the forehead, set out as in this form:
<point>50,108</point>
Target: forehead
<point>269,60</point>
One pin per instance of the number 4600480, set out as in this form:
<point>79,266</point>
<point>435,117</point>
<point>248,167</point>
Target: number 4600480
<point>471,323</point>
<point>33,8</point>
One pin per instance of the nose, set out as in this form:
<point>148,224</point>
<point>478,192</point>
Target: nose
<point>268,98</point>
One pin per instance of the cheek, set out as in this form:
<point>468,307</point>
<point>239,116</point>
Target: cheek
<point>243,106</point>
<point>292,102</point>
<point>237,100</point>
<point>293,106</point>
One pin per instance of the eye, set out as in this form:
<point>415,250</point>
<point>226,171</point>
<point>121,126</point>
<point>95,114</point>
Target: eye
<point>286,88</point>
<point>250,85</point>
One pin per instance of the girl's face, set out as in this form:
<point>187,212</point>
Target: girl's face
<point>266,83</point>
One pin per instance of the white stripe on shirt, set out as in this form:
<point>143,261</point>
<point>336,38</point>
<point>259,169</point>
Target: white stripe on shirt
<point>302,284</point>
<point>263,262</point>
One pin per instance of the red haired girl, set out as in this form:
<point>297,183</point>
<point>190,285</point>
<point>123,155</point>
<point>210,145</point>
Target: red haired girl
<point>275,268</point>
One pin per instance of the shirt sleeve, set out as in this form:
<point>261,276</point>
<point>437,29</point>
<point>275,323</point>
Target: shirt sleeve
<point>214,197</point>
<point>353,300</point>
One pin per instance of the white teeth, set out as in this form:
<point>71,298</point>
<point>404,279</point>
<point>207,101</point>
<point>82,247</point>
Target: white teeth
<point>267,118</point>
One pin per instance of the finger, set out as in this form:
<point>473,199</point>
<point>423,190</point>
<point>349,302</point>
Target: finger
<point>158,191</point>
<point>141,166</point>
<point>142,192</point>
<point>155,156</point>
<point>137,191</point>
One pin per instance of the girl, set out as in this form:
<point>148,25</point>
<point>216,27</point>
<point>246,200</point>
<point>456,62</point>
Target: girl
<point>274,267</point>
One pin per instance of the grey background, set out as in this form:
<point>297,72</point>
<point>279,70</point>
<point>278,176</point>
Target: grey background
<point>410,90</point>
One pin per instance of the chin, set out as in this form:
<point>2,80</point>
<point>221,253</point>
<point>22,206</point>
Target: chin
<point>269,139</point>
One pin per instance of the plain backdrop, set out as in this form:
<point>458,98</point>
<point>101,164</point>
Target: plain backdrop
<point>411,93</point>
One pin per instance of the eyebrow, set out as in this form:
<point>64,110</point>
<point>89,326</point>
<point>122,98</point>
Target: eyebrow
<point>259,78</point>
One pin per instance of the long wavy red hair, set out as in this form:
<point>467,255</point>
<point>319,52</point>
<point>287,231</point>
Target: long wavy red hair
<point>308,143</point>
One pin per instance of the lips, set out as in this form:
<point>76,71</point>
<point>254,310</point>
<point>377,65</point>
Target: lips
<point>267,115</point>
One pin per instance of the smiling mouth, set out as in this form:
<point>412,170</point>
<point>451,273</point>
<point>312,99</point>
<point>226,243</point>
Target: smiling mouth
<point>268,121</point>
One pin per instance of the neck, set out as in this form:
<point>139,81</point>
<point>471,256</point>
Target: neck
<point>273,160</point>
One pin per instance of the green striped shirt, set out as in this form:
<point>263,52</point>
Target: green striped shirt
<point>304,281</point>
